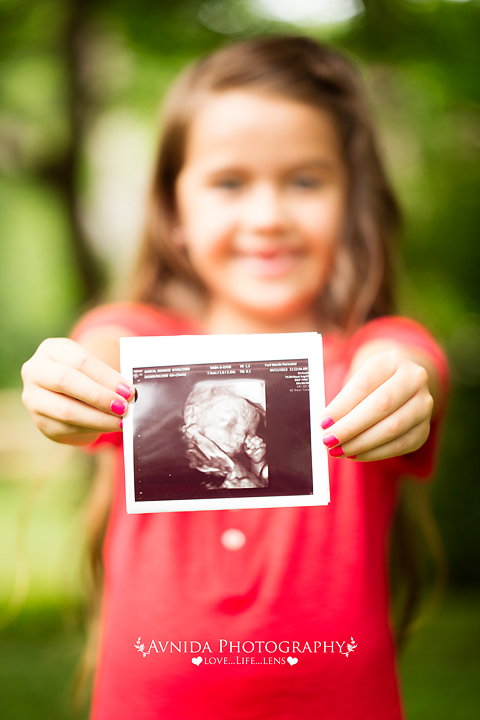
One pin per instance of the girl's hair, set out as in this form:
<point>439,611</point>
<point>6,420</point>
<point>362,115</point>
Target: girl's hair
<point>300,69</point>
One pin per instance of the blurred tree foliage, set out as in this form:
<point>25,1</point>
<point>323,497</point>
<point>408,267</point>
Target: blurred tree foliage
<point>67,67</point>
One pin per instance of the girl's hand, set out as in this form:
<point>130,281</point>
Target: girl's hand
<point>383,411</point>
<point>71,394</point>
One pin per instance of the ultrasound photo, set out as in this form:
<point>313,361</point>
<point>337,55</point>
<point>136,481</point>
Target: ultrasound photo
<point>215,431</point>
<point>221,428</point>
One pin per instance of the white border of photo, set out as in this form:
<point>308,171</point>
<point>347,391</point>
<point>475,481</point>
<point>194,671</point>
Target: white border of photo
<point>190,350</point>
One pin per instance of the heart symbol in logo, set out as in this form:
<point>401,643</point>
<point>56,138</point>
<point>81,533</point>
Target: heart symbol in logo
<point>197,661</point>
<point>292,661</point>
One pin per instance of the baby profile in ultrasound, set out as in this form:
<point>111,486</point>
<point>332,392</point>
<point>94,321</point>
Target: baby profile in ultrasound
<point>221,421</point>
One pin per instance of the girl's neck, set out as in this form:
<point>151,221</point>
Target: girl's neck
<point>224,320</point>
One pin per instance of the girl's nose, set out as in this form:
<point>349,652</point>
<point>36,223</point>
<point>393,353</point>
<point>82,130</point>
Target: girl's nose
<point>265,211</point>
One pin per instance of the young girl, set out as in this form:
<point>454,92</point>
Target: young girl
<point>270,212</point>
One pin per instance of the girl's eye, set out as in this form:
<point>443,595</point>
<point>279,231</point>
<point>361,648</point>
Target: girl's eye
<point>228,183</point>
<point>306,182</point>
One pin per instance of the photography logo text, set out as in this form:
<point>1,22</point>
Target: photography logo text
<point>247,652</point>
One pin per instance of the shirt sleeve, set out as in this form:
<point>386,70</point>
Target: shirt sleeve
<point>142,320</point>
<point>421,463</point>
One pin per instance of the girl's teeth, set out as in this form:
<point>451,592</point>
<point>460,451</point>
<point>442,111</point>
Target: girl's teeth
<point>268,264</point>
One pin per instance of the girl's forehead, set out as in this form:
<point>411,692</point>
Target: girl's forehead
<point>242,122</point>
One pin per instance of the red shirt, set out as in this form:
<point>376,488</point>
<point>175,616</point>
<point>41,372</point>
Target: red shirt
<point>294,623</point>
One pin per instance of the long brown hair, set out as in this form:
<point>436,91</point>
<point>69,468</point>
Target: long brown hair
<point>298,68</point>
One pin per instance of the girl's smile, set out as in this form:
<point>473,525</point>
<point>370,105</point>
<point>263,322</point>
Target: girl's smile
<point>261,201</point>
<point>268,262</point>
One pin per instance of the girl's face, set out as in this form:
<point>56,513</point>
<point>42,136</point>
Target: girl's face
<point>261,201</point>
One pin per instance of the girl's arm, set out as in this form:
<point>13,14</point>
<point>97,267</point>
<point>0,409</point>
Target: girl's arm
<point>73,390</point>
<point>385,408</point>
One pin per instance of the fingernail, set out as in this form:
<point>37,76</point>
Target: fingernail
<point>330,440</point>
<point>120,424</point>
<point>336,451</point>
<point>327,421</point>
<point>125,391</point>
<point>351,457</point>
<point>118,407</point>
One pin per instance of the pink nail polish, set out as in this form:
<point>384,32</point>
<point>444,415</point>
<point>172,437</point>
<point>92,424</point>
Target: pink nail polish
<point>120,424</point>
<point>125,391</point>
<point>327,421</point>
<point>330,440</point>
<point>336,451</point>
<point>351,457</point>
<point>118,407</point>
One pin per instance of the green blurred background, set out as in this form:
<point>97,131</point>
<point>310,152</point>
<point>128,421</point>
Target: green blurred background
<point>80,83</point>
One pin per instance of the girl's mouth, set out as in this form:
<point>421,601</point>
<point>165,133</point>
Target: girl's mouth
<point>268,263</point>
